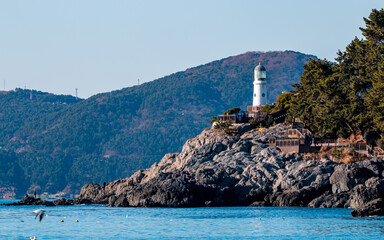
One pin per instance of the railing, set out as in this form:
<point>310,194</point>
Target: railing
<point>378,152</point>
<point>325,141</point>
<point>225,118</point>
<point>288,142</point>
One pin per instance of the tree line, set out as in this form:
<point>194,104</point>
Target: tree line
<point>337,99</point>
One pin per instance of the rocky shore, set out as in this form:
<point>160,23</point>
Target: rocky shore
<point>217,169</point>
<point>37,201</point>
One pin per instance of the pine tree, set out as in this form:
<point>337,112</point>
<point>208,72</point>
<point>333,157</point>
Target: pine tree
<point>347,97</point>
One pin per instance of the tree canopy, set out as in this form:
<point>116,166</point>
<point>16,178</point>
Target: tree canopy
<point>346,97</point>
<point>232,111</point>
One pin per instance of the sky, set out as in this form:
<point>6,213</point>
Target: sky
<point>99,46</point>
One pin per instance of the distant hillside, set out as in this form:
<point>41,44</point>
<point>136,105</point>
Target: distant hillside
<point>58,143</point>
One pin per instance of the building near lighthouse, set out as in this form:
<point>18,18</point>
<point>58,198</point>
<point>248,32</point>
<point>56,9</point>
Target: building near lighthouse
<point>296,139</point>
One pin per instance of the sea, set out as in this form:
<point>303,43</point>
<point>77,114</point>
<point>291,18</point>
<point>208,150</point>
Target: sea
<point>102,222</point>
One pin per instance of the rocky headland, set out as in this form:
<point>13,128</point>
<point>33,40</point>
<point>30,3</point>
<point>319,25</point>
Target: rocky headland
<point>218,169</point>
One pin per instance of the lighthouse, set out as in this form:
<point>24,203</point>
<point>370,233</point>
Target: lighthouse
<point>260,90</point>
<point>255,112</point>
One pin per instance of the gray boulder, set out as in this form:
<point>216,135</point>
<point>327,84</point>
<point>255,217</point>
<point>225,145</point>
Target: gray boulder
<point>372,208</point>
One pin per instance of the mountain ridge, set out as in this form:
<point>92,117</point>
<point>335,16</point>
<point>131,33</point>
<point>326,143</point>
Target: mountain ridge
<point>111,135</point>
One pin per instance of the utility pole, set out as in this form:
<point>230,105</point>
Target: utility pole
<point>76,92</point>
<point>138,81</point>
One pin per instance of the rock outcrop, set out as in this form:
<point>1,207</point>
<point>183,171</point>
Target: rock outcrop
<point>32,201</point>
<point>216,169</point>
<point>62,201</point>
<point>372,208</point>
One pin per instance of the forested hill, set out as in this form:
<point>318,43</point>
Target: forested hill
<point>58,143</point>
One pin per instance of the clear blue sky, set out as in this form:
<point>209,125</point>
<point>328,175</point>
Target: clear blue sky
<point>99,46</point>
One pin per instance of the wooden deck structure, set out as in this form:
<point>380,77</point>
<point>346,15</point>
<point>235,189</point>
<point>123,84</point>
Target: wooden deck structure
<point>257,113</point>
<point>239,117</point>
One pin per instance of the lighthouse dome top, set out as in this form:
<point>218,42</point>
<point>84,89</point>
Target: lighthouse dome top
<point>260,73</point>
<point>260,68</point>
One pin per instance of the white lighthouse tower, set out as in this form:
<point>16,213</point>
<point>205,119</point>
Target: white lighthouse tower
<point>260,90</point>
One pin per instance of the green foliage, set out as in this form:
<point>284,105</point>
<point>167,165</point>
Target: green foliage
<point>269,122</point>
<point>255,124</point>
<point>232,111</point>
<point>226,126</point>
<point>337,153</point>
<point>214,119</point>
<point>338,99</point>
<point>284,100</point>
<point>266,124</point>
<point>371,137</point>
<point>318,98</point>
<point>223,125</point>
<point>11,174</point>
<point>268,108</point>
<point>60,141</point>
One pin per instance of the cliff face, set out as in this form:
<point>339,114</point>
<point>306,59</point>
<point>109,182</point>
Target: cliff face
<point>215,169</point>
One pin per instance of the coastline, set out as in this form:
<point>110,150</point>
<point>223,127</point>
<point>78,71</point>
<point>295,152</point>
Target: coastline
<point>217,169</point>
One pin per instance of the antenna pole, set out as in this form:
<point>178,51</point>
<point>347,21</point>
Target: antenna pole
<point>138,81</point>
<point>76,92</point>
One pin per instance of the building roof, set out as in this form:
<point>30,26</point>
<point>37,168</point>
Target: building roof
<point>260,68</point>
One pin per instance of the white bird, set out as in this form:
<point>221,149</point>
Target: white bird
<point>39,213</point>
<point>33,238</point>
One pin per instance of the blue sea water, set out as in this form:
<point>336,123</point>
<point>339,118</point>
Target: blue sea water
<point>101,222</point>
